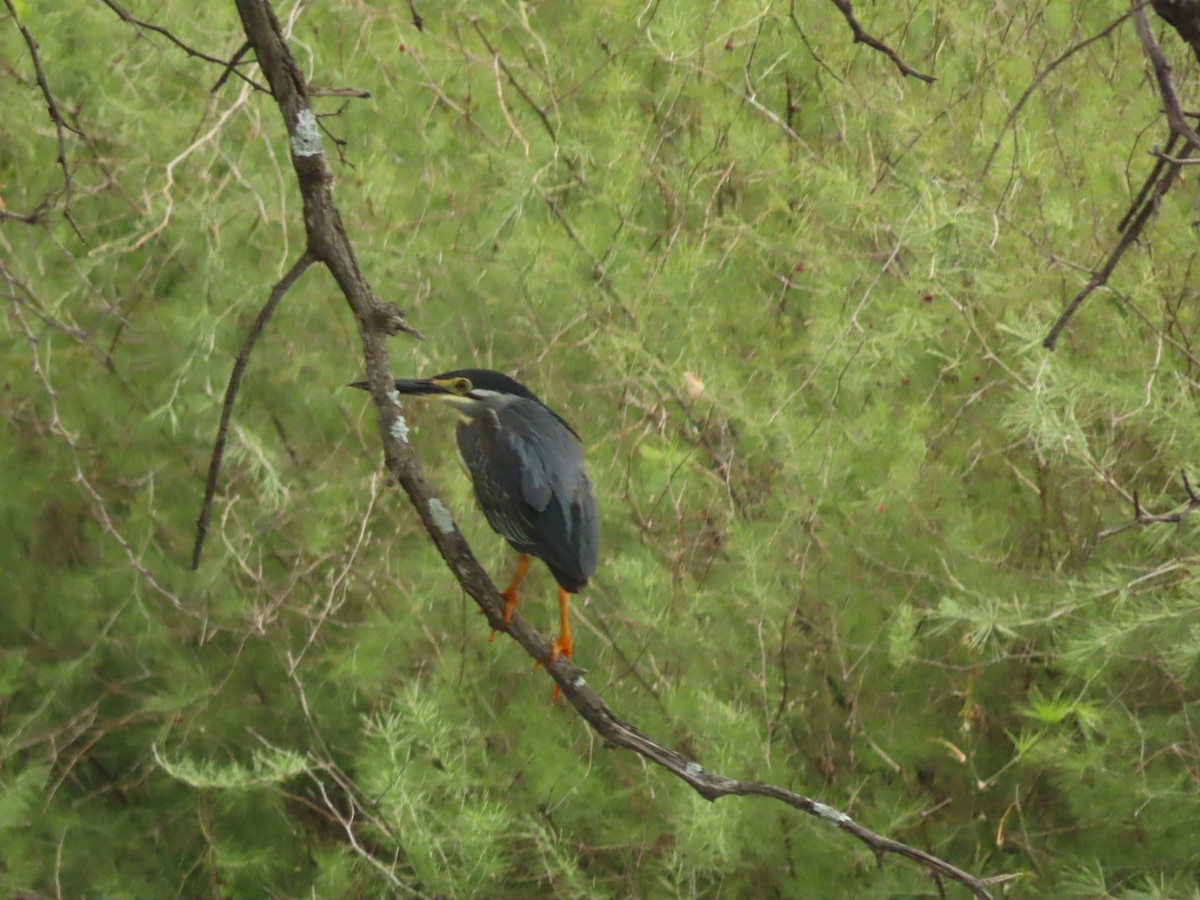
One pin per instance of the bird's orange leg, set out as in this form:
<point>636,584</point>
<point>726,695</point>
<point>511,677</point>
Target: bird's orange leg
<point>563,646</point>
<point>510,593</point>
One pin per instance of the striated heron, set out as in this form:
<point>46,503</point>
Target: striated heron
<point>526,464</point>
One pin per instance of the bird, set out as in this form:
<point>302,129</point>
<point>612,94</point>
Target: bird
<point>526,464</point>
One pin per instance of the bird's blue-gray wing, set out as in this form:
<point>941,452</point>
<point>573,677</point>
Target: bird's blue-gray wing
<point>532,486</point>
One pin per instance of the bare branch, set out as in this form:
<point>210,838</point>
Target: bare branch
<point>1148,184</point>
<point>60,125</point>
<point>1134,222</point>
<point>328,243</point>
<point>1162,74</point>
<point>1042,76</point>
<point>417,19</point>
<point>1161,177</point>
<point>1142,518</point>
<point>862,37</point>
<point>354,93</point>
<point>299,267</point>
<point>229,65</point>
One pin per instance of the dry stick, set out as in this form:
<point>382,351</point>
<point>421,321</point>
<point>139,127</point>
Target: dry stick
<point>140,24</point>
<point>231,390</point>
<point>1131,233</point>
<point>1151,180</point>
<point>1141,517</point>
<point>230,67</point>
<point>862,37</point>
<point>1041,76</point>
<point>1133,222</point>
<point>60,125</point>
<point>1162,74</point>
<point>329,244</point>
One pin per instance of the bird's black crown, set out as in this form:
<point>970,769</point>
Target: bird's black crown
<point>490,380</point>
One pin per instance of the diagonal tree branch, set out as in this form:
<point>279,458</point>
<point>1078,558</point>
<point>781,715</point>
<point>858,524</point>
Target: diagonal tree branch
<point>328,243</point>
<point>1161,177</point>
<point>1037,81</point>
<point>1157,184</point>
<point>229,65</point>
<point>1142,518</point>
<point>299,267</point>
<point>861,36</point>
<point>60,125</point>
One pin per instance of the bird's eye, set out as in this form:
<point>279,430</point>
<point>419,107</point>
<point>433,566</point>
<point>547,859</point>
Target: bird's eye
<point>462,386</point>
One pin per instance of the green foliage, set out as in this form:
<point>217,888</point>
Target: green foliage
<point>794,303</point>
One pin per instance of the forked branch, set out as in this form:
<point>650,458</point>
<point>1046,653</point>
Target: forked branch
<point>60,125</point>
<point>1157,183</point>
<point>231,391</point>
<point>861,36</point>
<point>1142,518</point>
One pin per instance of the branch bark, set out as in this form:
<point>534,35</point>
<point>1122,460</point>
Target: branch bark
<point>60,125</point>
<point>1143,518</point>
<point>299,267</point>
<point>861,36</point>
<point>1160,180</point>
<point>328,243</point>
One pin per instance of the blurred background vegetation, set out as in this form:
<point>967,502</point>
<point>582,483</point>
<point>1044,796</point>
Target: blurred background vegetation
<point>794,305</point>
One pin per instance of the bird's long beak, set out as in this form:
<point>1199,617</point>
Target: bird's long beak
<point>413,387</point>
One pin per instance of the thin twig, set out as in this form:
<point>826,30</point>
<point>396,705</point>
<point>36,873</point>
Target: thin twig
<point>1131,233</point>
<point>79,476</point>
<point>1162,176</point>
<point>1177,160</point>
<point>354,93</point>
<point>330,245</point>
<point>229,65</point>
<point>538,109</point>
<point>60,125</point>
<point>231,390</point>
<point>1162,74</point>
<point>1142,518</point>
<point>862,37</point>
<point>1039,78</point>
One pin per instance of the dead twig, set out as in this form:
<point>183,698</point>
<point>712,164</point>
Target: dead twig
<point>231,391</point>
<point>1142,518</point>
<point>1158,182</point>
<point>60,125</point>
<point>861,36</point>
<point>231,67</point>
<point>142,25</point>
<point>1039,78</point>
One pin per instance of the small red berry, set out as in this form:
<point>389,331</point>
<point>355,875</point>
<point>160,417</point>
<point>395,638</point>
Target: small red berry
<point>799,267</point>
<point>401,48</point>
<point>880,508</point>
<point>729,45</point>
<point>928,298</point>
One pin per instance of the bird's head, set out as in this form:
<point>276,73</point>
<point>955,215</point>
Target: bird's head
<point>463,388</point>
<point>469,391</point>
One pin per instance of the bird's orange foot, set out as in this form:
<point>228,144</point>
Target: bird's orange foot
<point>562,646</point>
<point>510,604</point>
